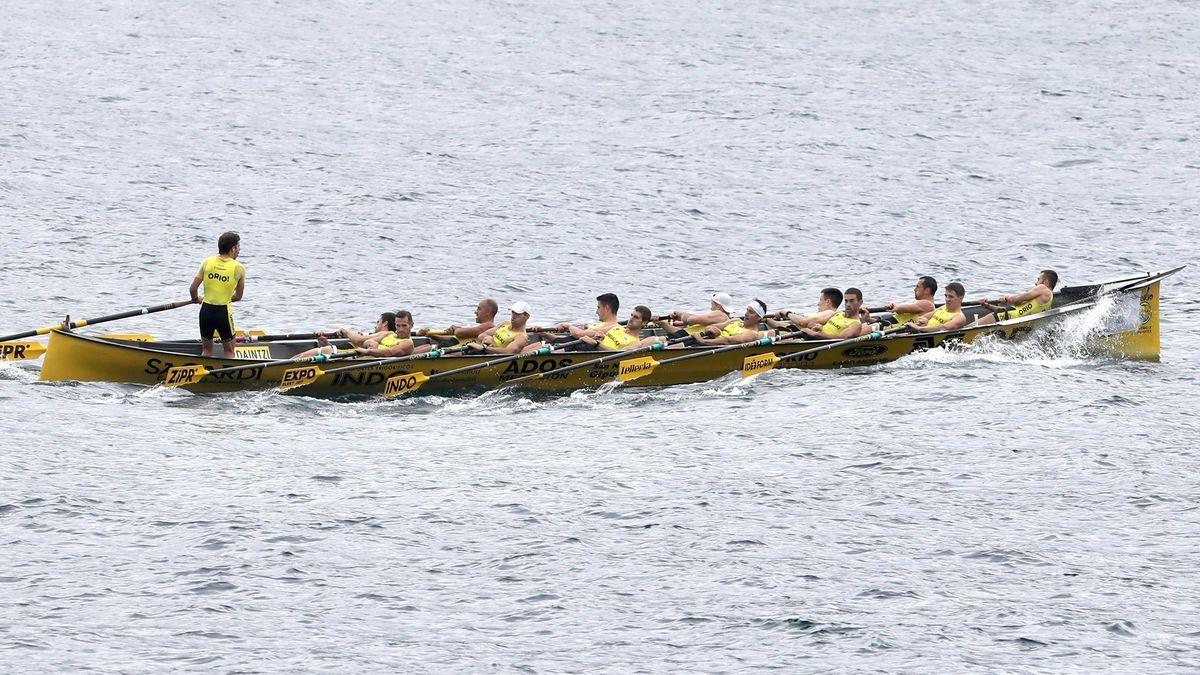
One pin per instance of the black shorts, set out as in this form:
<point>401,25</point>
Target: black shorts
<point>216,319</point>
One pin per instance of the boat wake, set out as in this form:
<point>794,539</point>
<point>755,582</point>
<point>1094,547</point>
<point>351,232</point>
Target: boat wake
<point>1074,340</point>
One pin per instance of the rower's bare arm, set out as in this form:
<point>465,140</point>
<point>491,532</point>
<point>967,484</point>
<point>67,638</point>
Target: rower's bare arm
<point>957,322</point>
<point>1022,298</point>
<point>706,318</point>
<point>241,288</point>
<point>468,332</point>
<point>403,349</point>
<point>851,331</point>
<point>195,288</point>
<point>919,307</point>
<point>514,347</point>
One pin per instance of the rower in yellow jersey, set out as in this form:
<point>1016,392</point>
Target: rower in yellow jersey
<point>224,280</point>
<point>607,305</point>
<point>1035,300</point>
<point>947,317</point>
<point>623,338</point>
<point>844,324</point>
<point>507,338</point>
<point>399,343</point>
<point>485,320</point>
<point>903,312</point>
<point>384,335</point>
<point>694,323</point>
<point>738,331</point>
<point>827,305</point>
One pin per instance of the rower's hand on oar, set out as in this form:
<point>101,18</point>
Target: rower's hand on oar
<point>891,306</point>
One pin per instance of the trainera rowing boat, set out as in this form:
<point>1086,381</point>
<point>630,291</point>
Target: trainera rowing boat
<point>1131,330</point>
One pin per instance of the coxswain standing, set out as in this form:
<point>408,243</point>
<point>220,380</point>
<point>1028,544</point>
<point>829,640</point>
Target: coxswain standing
<point>224,280</point>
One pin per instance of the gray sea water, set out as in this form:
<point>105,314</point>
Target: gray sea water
<point>1015,509</point>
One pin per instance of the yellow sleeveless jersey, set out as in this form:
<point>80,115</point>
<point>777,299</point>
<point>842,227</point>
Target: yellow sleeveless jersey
<point>221,277</point>
<point>390,340</point>
<point>942,317</point>
<point>696,329</point>
<point>1028,309</point>
<point>902,318</point>
<point>616,339</point>
<point>733,329</point>
<point>838,323</point>
<point>504,335</point>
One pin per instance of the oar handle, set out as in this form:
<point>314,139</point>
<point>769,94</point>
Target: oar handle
<point>100,319</point>
<point>879,310</point>
<point>291,336</point>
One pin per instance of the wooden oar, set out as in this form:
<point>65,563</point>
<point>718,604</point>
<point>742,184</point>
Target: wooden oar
<point>289,336</point>
<point>32,350</point>
<point>409,382</point>
<point>657,346</point>
<point>91,322</point>
<point>181,376</point>
<point>885,310</point>
<point>299,377</point>
<point>633,369</point>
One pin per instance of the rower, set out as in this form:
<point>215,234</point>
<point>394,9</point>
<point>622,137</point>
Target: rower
<point>903,312</point>
<point>399,343</point>
<point>827,306</point>
<point>720,307</point>
<point>507,338</point>
<point>948,317</point>
<point>1030,302</point>
<point>384,336</point>
<point>837,325</point>
<point>224,280</point>
<point>623,338</point>
<point>485,320</point>
<point>607,305</point>
<point>738,331</point>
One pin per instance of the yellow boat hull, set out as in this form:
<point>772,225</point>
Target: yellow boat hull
<point>73,357</point>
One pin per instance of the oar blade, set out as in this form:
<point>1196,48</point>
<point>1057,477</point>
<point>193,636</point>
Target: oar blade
<point>759,363</point>
<point>632,369</point>
<point>181,376</point>
<point>404,383</point>
<point>21,351</point>
<point>299,377</point>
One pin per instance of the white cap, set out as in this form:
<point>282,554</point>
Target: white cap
<point>723,300</point>
<point>521,307</point>
<point>758,307</point>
